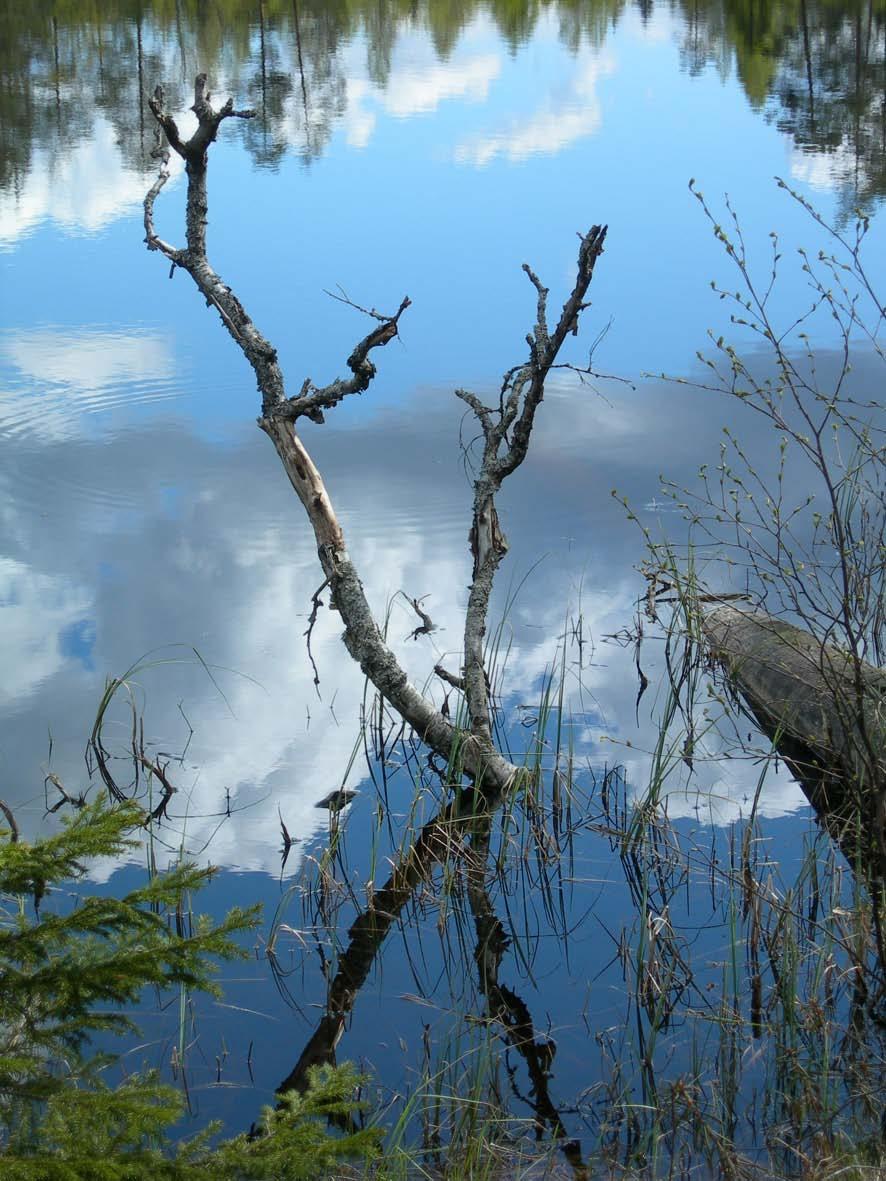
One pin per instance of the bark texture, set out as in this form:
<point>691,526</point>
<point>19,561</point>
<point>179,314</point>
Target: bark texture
<point>507,430</point>
<point>825,712</point>
<point>280,413</point>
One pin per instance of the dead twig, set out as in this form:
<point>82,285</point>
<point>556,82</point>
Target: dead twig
<point>427,624</point>
<point>316,604</point>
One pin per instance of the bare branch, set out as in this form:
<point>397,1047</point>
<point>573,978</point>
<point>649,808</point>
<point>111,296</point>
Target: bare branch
<point>316,604</point>
<point>166,121</point>
<point>590,250</point>
<point>521,393</point>
<point>541,323</point>
<point>193,150</point>
<point>483,413</point>
<point>346,299</point>
<point>362,637</point>
<point>153,242</point>
<point>313,400</point>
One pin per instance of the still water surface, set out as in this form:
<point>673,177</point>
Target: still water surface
<point>427,150</point>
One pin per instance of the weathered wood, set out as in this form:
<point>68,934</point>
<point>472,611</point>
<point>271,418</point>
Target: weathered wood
<point>825,712</point>
<point>470,754</point>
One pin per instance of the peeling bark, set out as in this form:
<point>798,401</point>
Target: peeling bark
<point>521,395</point>
<point>362,637</point>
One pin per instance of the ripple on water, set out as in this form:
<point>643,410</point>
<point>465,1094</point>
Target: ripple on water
<point>59,383</point>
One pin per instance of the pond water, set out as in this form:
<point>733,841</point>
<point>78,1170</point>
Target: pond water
<point>148,533</point>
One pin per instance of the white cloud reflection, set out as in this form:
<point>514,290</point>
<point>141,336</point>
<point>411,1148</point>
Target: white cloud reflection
<point>826,172</point>
<point>417,86</point>
<point>61,376</point>
<point>231,572</point>
<point>558,122</point>
<point>273,748</point>
<point>35,610</point>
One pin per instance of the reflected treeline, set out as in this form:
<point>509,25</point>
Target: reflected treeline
<point>815,66</point>
<point>60,60</point>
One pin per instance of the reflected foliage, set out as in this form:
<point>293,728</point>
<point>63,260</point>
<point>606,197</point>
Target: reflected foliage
<point>815,67</point>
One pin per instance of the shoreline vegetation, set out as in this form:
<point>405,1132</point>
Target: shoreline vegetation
<point>780,1039</point>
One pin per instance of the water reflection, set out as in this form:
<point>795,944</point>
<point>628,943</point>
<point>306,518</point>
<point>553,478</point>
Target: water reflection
<point>161,528</point>
<point>60,379</point>
<point>570,115</point>
<point>166,538</point>
<point>75,90</point>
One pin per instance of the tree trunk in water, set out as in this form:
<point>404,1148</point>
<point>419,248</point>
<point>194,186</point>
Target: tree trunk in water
<point>824,710</point>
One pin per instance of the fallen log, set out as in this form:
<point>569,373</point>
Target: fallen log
<point>824,711</point>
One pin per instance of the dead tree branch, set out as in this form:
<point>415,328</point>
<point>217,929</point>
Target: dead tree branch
<point>316,604</point>
<point>506,433</point>
<point>450,678</point>
<point>362,637</point>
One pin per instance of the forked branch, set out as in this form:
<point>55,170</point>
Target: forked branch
<point>506,435</point>
<point>507,430</point>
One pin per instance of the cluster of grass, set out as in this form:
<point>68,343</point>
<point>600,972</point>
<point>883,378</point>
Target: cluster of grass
<point>764,1062</point>
<point>764,1058</point>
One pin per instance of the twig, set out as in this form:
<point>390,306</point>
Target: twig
<point>312,400</point>
<point>316,604</point>
<point>449,678</point>
<point>427,624</point>
<point>74,801</point>
<point>159,773</point>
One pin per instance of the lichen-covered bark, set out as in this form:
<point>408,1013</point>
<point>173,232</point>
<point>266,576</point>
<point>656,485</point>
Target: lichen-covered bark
<point>507,430</point>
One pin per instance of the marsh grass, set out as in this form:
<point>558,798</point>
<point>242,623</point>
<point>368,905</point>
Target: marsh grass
<point>749,1037</point>
<point>755,1053</point>
<point>749,1052</point>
